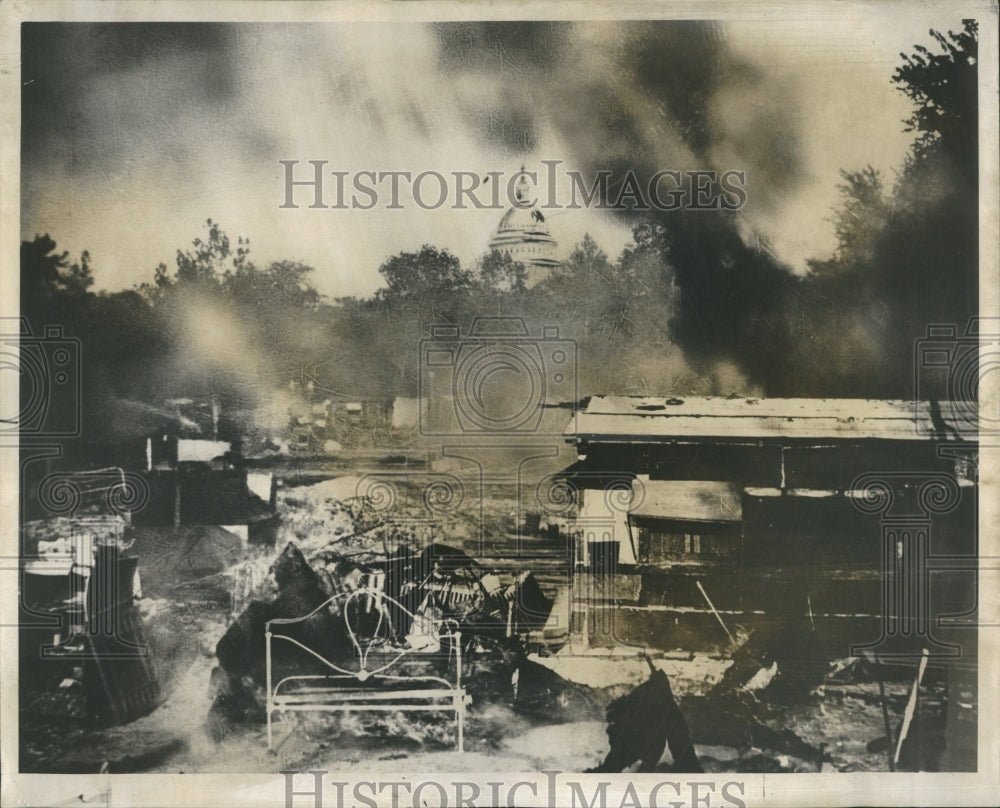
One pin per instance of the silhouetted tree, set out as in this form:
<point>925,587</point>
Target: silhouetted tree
<point>498,271</point>
<point>428,277</point>
<point>944,87</point>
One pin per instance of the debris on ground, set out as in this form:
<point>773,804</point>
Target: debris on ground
<point>643,723</point>
<point>774,701</point>
<point>778,666</point>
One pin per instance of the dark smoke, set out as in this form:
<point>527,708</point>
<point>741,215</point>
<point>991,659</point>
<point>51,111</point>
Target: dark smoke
<point>649,100</point>
<point>63,64</point>
<point>515,50</point>
<point>646,96</point>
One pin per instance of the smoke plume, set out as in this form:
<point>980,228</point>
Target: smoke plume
<point>643,97</point>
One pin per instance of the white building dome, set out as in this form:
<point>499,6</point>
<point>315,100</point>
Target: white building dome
<point>524,235</point>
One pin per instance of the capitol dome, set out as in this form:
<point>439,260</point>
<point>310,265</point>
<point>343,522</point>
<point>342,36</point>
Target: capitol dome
<point>524,235</point>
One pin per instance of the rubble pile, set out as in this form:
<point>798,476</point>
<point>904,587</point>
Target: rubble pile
<point>768,703</point>
<point>331,545</point>
<point>326,529</point>
<point>777,667</point>
<point>238,680</point>
<point>343,537</point>
<point>195,559</point>
<point>439,577</point>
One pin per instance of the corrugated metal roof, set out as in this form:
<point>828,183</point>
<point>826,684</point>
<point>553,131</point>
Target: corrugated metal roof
<point>641,419</point>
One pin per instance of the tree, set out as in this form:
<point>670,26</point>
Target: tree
<point>289,280</point>
<point>206,266</point>
<point>944,87</point>
<point>499,272</point>
<point>206,263</point>
<point>905,259</point>
<point>47,275</point>
<point>864,213</point>
<point>587,261</point>
<point>426,277</point>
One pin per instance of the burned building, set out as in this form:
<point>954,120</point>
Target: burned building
<point>95,540</point>
<point>195,482</point>
<point>699,514</point>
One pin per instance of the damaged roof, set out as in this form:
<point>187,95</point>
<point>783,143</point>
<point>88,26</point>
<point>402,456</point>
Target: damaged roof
<point>689,500</point>
<point>656,418</point>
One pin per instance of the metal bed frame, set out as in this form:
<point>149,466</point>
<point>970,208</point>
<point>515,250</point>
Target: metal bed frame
<point>371,686</point>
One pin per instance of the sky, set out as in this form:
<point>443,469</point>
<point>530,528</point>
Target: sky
<point>134,135</point>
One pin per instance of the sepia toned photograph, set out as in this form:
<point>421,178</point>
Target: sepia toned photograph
<point>423,404</point>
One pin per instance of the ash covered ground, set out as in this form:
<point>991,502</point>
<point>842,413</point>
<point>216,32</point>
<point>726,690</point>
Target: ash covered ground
<point>539,701</point>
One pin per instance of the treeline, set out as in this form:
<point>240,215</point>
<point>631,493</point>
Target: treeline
<point>218,323</point>
<point>907,254</point>
<point>688,308</point>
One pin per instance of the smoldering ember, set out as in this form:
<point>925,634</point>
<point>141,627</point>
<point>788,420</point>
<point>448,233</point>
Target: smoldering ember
<point>678,509</point>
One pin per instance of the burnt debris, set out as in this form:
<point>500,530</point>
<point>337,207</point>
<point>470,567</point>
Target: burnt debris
<point>641,724</point>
